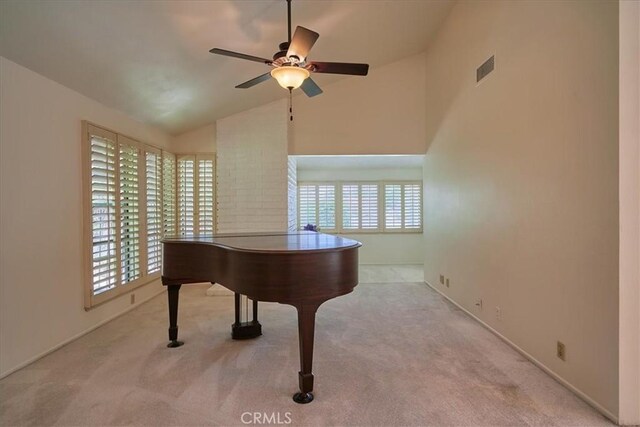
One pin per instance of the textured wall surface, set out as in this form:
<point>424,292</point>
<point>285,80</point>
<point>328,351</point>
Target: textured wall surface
<point>292,195</point>
<point>252,170</point>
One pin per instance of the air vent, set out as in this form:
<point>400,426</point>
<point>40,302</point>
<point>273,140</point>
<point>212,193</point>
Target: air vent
<point>485,68</point>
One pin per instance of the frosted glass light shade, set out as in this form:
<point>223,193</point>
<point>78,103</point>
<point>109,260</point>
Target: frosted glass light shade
<point>289,77</point>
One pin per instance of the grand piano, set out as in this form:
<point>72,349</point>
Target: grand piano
<point>303,269</point>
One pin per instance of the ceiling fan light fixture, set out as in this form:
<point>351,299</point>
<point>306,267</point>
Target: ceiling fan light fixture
<point>289,77</point>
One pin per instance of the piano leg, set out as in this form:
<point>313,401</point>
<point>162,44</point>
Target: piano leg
<point>173,291</point>
<point>249,329</point>
<point>306,326</point>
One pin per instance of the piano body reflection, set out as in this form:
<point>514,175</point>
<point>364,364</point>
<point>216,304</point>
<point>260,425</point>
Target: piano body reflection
<point>303,269</point>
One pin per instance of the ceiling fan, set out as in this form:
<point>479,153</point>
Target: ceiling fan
<point>290,66</point>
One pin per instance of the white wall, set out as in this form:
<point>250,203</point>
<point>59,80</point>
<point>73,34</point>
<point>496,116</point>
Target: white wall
<point>200,140</point>
<point>629,213</point>
<point>378,248</point>
<point>41,281</point>
<point>382,113</point>
<point>252,170</point>
<point>521,179</point>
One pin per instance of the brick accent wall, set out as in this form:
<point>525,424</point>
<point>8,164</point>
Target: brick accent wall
<point>292,183</point>
<point>253,170</point>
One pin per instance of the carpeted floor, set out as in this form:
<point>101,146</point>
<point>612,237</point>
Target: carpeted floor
<point>387,354</point>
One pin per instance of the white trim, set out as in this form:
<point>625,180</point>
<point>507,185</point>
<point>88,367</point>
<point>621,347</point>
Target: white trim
<point>417,264</point>
<point>78,335</point>
<point>533,360</point>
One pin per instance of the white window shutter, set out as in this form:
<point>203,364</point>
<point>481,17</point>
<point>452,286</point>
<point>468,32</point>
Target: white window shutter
<point>369,206</point>
<point>186,195</point>
<point>154,210</point>
<point>326,207</point>
<point>412,206</point>
<point>393,206</point>
<point>168,193</point>
<point>350,207</point>
<point>206,195</point>
<point>104,262</point>
<point>307,205</point>
<point>129,211</point>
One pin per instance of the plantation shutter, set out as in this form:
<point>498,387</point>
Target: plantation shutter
<point>369,203</point>
<point>154,208</point>
<point>307,207</point>
<point>317,205</point>
<point>128,188</point>
<point>129,210</point>
<point>186,195</point>
<point>104,204</point>
<point>412,206</point>
<point>350,207</point>
<point>327,207</point>
<point>206,195</point>
<point>168,193</point>
<point>393,206</point>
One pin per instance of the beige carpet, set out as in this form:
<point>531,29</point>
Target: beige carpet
<point>387,355</point>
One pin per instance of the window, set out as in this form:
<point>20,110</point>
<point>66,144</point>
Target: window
<point>360,207</point>
<point>103,218</point>
<point>153,157</point>
<point>206,196</point>
<point>317,205</point>
<point>129,230</point>
<point>168,193</point>
<point>369,207</point>
<point>123,187</point>
<point>186,191</point>
<point>374,206</point>
<point>196,194</point>
<point>403,207</point>
<point>350,207</point>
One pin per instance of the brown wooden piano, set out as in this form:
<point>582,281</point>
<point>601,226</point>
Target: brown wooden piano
<point>303,269</point>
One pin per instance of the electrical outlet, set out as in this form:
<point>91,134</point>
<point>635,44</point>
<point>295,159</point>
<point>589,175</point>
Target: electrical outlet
<point>561,351</point>
<point>498,313</point>
<point>442,279</point>
<point>479,304</point>
<point>133,298</point>
<point>447,281</point>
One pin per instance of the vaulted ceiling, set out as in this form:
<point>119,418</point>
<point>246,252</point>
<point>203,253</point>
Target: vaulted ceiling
<point>150,59</point>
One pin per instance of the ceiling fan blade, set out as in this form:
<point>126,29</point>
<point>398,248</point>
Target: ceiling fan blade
<point>302,42</point>
<point>240,55</point>
<point>255,81</point>
<point>310,88</point>
<point>339,68</point>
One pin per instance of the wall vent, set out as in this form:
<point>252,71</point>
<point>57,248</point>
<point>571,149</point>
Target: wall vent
<point>485,69</point>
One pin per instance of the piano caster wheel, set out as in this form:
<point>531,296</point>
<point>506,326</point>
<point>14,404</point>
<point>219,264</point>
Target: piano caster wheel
<point>301,397</point>
<point>175,343</point>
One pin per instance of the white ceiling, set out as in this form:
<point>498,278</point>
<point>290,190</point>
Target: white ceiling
<point>150,59</point>
<point>360,162</point>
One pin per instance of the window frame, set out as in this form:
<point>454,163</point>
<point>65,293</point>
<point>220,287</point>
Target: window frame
<point>381,184</point>
<point>92,300</point>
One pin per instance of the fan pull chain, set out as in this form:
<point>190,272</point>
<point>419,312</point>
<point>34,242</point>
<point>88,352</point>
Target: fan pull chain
<point>290,104</point>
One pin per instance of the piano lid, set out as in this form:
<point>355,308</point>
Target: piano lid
<point>294,241</point>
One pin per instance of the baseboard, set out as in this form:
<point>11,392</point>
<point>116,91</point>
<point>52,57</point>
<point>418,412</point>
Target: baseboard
<point>78,335</point>
<point>595,405</point>
<point>390,264</point>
